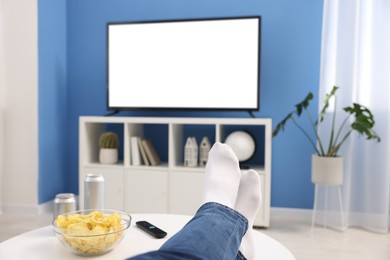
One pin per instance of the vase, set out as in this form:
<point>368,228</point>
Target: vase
<point>108,155</point>
<point>327,170</point>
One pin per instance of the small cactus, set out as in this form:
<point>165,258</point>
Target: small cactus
<point>108,140</point>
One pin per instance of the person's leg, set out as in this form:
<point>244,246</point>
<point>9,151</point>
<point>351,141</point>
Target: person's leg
<point>217,229</point>
<point>247,203</point>
<point>214,233</point>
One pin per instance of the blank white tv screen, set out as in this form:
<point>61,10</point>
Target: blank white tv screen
<point>190,64</point>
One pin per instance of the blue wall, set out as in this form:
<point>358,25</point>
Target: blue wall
<point>290,64</point>
<point>52,96</point>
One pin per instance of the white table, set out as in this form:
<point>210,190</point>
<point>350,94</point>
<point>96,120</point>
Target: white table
<point>42,244</point>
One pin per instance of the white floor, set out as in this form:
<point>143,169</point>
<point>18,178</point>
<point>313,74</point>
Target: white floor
<point>327,244</point>
<point>354,244</point>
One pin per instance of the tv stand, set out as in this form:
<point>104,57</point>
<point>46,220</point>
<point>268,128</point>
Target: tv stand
<point>170,187</point>
<point>251,114</point>
<point>112,113</point>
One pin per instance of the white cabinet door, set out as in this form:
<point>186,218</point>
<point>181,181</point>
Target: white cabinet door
<point>185,192</point>
<point>113,186</point>
<point>146,191</point>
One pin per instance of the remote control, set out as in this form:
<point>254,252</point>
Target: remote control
<point>151,229</point>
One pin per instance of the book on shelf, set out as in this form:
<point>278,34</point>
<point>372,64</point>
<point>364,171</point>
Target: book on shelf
<point>145,159</point>
<point>135,151</point>
<point>151,153</point>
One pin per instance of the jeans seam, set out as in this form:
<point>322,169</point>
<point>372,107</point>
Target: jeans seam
<point>238,223</point>
<point>236,227</point>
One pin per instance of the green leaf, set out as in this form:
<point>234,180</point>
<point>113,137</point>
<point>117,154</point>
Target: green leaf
<point>304,104</point>
<point>326,104</point>
<point>364,121</point>
<point>280,126</point>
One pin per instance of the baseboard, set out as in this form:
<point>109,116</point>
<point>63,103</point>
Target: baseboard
<point>47,208</point>
<point>44,208</point>
<point>19,209</point>
<point>292,213</point>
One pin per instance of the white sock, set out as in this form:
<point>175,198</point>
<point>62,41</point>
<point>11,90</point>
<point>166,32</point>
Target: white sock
<point>247,203</point>
<point>222,176</point>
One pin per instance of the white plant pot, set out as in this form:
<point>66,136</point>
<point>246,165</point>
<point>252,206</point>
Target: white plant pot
<point>108,155</point>
<point>327,170</point>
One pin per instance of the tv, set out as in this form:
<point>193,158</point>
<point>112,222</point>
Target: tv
<point>197,64</point>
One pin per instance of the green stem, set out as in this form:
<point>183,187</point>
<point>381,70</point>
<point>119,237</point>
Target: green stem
<point>316,133</point>
<point>340,129</point>
<point>306,134</point>
<point>337,147</point>
<point>332,128</point>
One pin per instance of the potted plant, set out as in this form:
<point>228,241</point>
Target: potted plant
<point>108,143</point>
<point>327,165</point>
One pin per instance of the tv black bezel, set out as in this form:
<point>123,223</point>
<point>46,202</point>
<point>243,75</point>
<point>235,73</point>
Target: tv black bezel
<point>128,108</point>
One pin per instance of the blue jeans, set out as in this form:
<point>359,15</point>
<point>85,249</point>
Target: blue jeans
<point>215,232</point>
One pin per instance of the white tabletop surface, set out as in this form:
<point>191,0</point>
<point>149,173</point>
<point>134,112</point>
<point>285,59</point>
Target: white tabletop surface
<point>42,244</point>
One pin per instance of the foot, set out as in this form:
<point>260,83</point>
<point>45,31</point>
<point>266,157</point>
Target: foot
<point>222,176</point>
<point>248,203</point>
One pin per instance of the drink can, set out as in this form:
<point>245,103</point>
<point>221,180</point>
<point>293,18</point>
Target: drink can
<point>64,203</point>
<point>94,191</point>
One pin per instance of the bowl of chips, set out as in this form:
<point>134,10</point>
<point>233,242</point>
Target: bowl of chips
<point>91,232</point>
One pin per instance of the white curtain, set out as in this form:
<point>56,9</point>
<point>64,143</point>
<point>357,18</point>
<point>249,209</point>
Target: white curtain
<point>356,57</point>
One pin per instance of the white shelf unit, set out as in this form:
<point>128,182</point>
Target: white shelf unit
<point>170,187</point>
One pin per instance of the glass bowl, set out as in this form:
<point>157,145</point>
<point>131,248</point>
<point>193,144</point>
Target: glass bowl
<point>91,232</point>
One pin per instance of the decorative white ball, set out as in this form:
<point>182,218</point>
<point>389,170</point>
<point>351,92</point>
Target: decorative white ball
<point>242,145</point>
